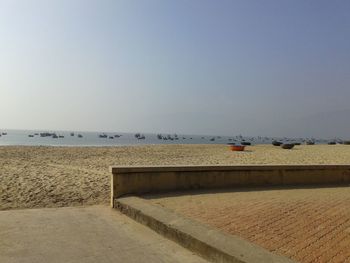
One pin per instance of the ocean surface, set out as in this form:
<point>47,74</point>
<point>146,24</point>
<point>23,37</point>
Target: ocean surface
<point>71,138</point>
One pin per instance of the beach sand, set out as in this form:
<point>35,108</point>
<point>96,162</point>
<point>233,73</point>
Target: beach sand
<point>74,176</point>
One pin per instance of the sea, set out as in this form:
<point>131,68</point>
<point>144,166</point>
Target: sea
<point>76,138</point>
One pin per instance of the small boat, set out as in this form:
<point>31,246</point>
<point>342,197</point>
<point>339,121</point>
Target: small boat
<point>276,143</point>
<point>31,135</point>
<point>54,136</point>
<point>111,137</point>
<point>60,136</point>
<point>310,143</point>
<point>72,134</point>
<point>212,139</point>
<point>4,133</point>
<point>80,136</point>
<point>103,136</point>
<point>332,143</point>
<point>287,146</point>
<point>236,148</point>
<point>36,133</point>
<point>46,134</point>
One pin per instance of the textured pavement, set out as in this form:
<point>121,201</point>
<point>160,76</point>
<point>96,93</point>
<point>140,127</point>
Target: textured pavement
<point>76,235</point>
<point>307,225</point>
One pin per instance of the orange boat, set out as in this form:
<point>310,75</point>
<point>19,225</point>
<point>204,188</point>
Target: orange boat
<point>237,148</point>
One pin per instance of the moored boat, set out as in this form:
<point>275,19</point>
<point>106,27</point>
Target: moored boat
<point>287,146</point>
<point>236,148</point>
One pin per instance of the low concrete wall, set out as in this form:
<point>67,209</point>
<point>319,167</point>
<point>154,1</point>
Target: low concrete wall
<point>138,180</point>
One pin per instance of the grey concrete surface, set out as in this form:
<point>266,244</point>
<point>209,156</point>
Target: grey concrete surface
<point>95,234</point>
<point>207,241</point>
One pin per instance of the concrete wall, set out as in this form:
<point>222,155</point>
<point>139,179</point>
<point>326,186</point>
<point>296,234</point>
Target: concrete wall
<point>137,180</point>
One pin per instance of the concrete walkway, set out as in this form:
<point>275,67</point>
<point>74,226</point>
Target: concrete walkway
<point>304,224</point>
<point>86,234</point>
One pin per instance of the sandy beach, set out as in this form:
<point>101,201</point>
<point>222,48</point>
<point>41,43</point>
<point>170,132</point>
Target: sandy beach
<point>74,176</point>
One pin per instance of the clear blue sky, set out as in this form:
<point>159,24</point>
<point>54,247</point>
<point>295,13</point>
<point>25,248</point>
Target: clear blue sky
<point>196,66</point>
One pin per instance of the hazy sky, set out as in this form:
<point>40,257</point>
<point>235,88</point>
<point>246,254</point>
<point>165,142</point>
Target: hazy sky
<point>202,67</point>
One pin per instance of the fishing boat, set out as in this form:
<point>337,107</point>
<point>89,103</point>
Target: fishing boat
<point>276,143</point>
<point>310,142</point>
<point>236,148</point>
<point>287,146</point>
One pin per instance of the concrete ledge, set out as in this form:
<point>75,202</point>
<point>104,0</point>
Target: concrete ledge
<point>187,168</point>
<point>206,241</point>
<point>138,180</point>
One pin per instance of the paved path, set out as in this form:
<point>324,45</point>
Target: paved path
<point>82,235</point>
<point>307,225</point>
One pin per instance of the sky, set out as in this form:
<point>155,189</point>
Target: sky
<point>220,67</point>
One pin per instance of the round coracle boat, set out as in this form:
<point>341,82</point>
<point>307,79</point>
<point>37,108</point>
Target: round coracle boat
<point>287,146</point>
<point>276,143</point>
<point>237,148</point>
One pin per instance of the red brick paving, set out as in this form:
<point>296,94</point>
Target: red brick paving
<point>307,225</point>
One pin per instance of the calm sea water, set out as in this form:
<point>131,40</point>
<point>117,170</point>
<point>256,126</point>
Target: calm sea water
<point>21,137</point>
